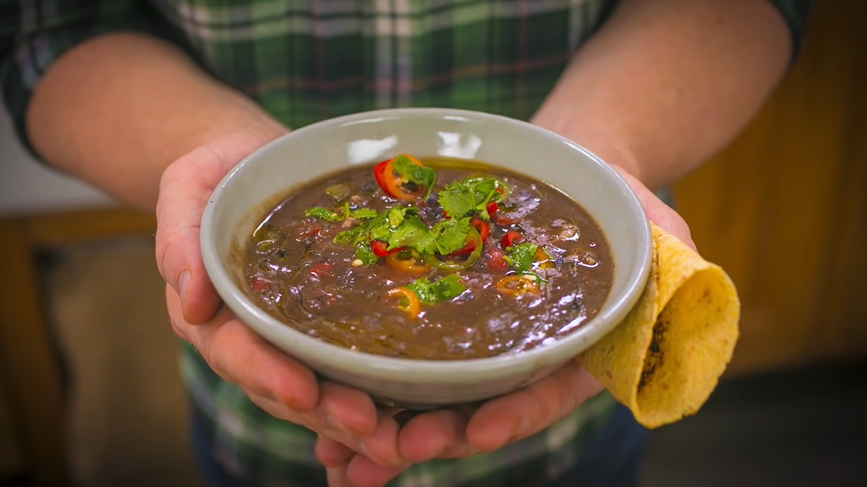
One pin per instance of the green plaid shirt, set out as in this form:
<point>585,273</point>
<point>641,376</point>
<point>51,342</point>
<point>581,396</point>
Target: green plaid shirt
<point>306,61</point>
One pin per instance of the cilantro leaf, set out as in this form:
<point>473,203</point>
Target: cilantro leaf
<point>421,175</point>
<point>450,235</point>
<point>468,195</point>
<point>323,214</point>
<point>349,237</point>
<point>456,199</point>
<point>361,233</point>
<point>363,213</point>
<point>331,216</point>
<point>364,253</point>
<point>412,232</point>
<point>379,226</point>
<point>444,289</point>
<point>386,222</point>
<point>448,287</point>
<point>520,256</point>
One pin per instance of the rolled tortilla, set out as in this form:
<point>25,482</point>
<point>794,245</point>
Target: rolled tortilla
<point>666,358</point>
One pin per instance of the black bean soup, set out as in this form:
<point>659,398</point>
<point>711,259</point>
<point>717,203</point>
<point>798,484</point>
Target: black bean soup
<point>433,259</point>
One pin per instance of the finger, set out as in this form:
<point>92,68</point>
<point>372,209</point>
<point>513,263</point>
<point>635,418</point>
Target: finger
<point>316,420</point>
<point>332,453</point>
<point>381,445</point>
<point>522,413</point>
<point>364,472</point>
<point>336,477</point>
<point>348,409</point>
<point>437,434</point>
<point>173,305</point>
<point>240,356</point>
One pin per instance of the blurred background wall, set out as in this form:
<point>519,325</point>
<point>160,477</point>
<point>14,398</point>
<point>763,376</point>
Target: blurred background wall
<point>88,382</point>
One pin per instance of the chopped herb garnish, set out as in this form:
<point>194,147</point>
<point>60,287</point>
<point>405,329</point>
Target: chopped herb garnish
<point>338,191</point>
<point>444,289</point>
<point>401,227</point>
<point>419,175</point>
<point>378,227</point>
<point>365,255</point>
<point>450,235</point>
<point>469,195</point>
<point>363,213</point>
<point>323,214</point>
<point>412,232</point>
<point>520,256</point>
<point>331,216</point>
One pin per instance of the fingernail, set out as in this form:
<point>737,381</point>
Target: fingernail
<point>183,283</point>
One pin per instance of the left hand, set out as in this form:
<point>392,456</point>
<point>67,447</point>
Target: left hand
<point>455,432</point>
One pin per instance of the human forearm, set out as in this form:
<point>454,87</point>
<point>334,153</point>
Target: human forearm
<point>667,83</point>
<point>115,111</point>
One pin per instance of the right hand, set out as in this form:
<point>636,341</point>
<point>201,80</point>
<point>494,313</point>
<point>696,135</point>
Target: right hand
<point>283,387</point>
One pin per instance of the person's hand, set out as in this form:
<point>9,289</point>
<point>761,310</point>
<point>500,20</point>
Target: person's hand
<point>461,432</point>
<point>278,384</point>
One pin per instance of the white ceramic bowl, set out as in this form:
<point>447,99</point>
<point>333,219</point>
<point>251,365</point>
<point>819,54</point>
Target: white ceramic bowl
<point>246,193</point>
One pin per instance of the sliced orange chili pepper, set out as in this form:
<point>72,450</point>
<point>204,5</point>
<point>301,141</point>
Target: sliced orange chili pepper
<point>393,184</point>
<point>408,261</point>
<point>517,284</point>
<point>543,258</point>
<point>407,300</point>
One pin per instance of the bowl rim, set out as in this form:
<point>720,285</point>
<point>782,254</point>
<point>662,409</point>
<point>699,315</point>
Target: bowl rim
<point>422,370</point>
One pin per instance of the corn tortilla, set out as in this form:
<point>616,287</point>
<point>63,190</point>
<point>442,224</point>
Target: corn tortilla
<point>666,357</point>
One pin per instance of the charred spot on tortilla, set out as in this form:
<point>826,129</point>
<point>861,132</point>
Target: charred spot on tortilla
<point>654,358</point>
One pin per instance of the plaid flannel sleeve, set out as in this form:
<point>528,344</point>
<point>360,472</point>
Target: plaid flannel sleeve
<point>35,33</point>
<point>795,13</point>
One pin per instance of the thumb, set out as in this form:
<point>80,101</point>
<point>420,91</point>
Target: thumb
<point>185,187</point>
<point>657,210</point>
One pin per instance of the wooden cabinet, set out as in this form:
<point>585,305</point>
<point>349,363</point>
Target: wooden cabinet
<point>784,208</point>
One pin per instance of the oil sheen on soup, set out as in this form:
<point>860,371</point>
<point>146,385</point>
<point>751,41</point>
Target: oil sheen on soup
<point>432,259</point>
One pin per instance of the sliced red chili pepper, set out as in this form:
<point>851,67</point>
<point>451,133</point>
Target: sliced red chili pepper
<point>321,269</point>
<point>447,265</point>
<point>492,208</point>
<point>379,175</point>
<point>510,238</point>
<point>483,228</point>
<point>308,229</point>
<point>503,221</point>
<point>258,284</point>
<point>380,248</point>
<point>494,260</point>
